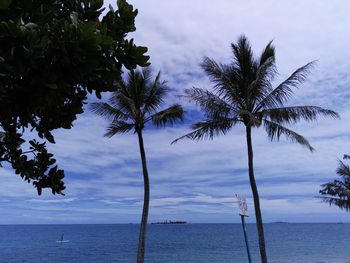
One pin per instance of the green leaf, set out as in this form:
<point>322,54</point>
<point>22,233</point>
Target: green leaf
<point>49,137</point>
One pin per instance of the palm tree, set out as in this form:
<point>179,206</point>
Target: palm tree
<point>243,94</point>
<point>338,192</point>
<point>134,104</point>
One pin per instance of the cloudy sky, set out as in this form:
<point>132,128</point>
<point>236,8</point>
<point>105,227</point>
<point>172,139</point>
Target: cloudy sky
<point>192,181</point>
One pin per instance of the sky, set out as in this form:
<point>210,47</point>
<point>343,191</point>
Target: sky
<point>197,182</point>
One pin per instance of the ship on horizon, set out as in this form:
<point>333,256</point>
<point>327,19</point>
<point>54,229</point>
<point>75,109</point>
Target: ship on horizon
<point>170,222</point>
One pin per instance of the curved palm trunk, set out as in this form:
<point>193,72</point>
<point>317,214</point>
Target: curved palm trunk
<point>258,217</point>
<point>143,227</point>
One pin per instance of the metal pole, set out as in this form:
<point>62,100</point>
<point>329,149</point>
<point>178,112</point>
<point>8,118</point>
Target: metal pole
<point>246,238</point>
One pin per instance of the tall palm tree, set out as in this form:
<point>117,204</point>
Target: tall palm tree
<point>338,192</point>
<point>243,94</point>
<point>134,104</point>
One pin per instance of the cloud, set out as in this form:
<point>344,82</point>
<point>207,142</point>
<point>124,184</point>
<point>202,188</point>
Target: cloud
<point>47,201</point>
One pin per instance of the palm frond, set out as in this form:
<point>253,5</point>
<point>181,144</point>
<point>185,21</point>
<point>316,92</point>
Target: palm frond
<point>341,202</point>
<point>275,130</point>
<point>243,56</point>
<point>226,79</point>
<point>107,111</point>
<point>249,118</point>
<point>210,103</point>
<point>284,91</point>
<point>209,129</point>
<point>261,85</point>
<point>268,53</point>
<point>291,115</point>
<point>214,70</point>
<point>168,116</point>
<point>146,74</point>
<point>136,87</point>
<point>118,127</point>
<point>344,171</point>
<point>135,102</point>
<point>338,192</point>
<point>123,100</point>
<point>346,157</point>
<point>154,94</point>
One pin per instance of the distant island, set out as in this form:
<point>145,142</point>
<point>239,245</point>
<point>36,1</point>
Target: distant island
<point>169,222</point>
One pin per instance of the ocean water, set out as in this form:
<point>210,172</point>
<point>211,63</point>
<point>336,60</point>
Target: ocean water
<point>192,243</point>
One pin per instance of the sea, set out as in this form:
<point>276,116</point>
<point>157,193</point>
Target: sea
<point>189,243</point>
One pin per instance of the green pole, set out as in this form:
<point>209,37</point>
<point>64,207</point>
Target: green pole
<point>246,238</point>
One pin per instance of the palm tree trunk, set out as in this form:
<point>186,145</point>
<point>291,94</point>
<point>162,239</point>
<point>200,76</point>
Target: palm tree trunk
<point>258,217</point>
<point>143,227</point>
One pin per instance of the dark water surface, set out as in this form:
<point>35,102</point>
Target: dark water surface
<point>193,243</point>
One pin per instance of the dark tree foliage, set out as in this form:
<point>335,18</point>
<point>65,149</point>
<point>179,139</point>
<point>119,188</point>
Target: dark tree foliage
<point>52,54</point>
<point>338,192</point>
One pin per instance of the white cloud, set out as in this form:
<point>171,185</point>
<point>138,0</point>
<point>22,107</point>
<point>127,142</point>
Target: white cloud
<point>47,201</point>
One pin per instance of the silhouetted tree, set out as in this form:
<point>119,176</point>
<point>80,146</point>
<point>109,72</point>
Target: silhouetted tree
<point>135,104</point>
<point>243,94</point>
<point>338,192</point>
<point>52,53</point>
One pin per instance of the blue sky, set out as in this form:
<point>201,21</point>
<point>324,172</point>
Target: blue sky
<point>197,181</point>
